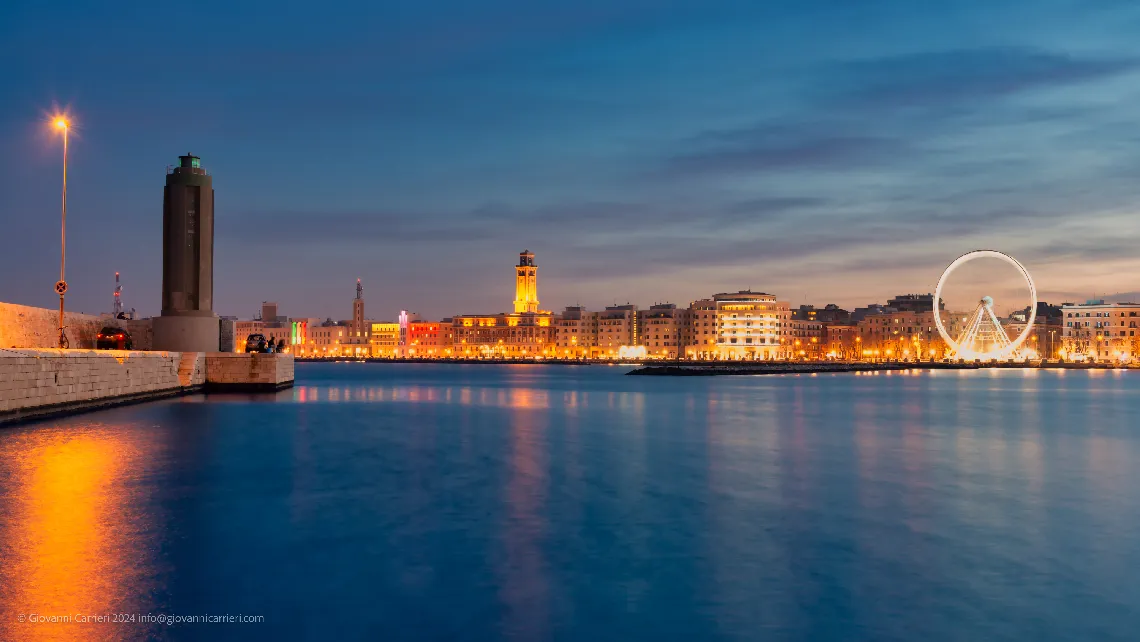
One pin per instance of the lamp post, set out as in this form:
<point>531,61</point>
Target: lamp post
<point>61,286</point>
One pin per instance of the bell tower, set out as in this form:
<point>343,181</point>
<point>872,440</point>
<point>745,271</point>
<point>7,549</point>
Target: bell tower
<point>526,283</point>
<point>358,310</point>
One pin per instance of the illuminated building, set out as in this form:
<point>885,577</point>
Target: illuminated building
<point>332,341</point>
<point>384,339</point>
<point>663,330</point>
<point>526,283</point>
<point>275,327</point>
<point>576,333</point>
<point>840,342</point>
<point>1046,339</point>
<point>888,334</point>
<point>527,332</point>
<point>503,335</point>
<point>806,339</point>
<point>1101,331</point>
<point>700,335</point>
<point>426,340</point>
<point>404,319</point>
<point>740,325</point>
<point>617,327</point>
<point>345,339</point>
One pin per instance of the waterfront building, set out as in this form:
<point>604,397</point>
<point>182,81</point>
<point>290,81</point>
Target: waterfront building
<point>805,338</point>
<point>405,318</point>
<point>384,339</point>
<point>699,337</point>
<point>617,328</point>
<point>505,335</point>
<point>426,340</point>
<point>842,342</point>
<point>1099,331</point>
<point>663,330</point>
<point>275,327</point>
<point>739,325</point>
<point>187,322</point>
<point>526,332</point>
<point>888,334</point>
<point>332,340</point>
<point>576,333</point>
<point>294,332</point>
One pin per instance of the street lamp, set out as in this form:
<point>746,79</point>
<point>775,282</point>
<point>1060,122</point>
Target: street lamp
<point>61,124</point>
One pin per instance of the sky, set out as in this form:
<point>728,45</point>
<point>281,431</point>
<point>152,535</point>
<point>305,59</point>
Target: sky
<point>646,151</point>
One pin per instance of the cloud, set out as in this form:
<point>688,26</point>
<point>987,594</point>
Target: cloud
<point>936,78</point>
<point>778,148</point>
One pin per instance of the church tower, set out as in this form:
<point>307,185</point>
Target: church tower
<point>526,283</point>
<point>358,310</point>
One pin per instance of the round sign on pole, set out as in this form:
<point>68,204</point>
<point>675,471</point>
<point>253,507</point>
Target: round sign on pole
<point>60,287</point>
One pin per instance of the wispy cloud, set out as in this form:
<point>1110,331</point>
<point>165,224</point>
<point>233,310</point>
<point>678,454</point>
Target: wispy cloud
<point>938,78</point>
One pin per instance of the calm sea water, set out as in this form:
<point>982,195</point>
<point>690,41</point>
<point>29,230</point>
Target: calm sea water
<point>422,502</point>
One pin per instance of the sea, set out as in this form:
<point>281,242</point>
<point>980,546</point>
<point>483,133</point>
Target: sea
<point>572,502</point>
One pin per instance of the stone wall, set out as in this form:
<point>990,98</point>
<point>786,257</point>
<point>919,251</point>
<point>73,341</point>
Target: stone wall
<point>230,369</point>
<point>23,326</point>
<point>37,378</point>
<point>41,382</point>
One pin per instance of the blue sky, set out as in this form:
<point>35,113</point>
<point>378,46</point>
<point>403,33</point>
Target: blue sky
<point>825,151</point>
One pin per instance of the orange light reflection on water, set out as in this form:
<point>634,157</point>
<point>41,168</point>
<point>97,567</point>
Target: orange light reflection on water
<point>68,539</point>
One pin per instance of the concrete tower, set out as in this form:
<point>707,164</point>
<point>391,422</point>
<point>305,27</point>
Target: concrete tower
<point>358,310</point>
<point>526,283</point>
<point>188,322</point>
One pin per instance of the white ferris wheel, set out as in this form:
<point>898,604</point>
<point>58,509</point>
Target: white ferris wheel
<point>982,336</point>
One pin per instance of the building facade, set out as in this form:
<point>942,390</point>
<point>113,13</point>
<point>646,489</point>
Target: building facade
<point>664,328</point>
<point>426,340</point>
<point>742,325</point>
<point>805,339</point>
<point>576,333</point>
<point>888,334</point>
<point>384,339</point>
<point>525,333</point>
<point>1099,331</point>
<point>503,336</point>
<point>617,329</point>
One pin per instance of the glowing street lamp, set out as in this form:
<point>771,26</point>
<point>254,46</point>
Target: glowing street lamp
<point>62,125</point>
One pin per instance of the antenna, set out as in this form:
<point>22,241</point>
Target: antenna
<point>117,306</point>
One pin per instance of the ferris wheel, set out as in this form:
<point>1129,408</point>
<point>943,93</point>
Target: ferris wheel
<point>983,336</point>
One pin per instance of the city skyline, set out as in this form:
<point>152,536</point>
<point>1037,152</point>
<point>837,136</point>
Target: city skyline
<point>646,152</point>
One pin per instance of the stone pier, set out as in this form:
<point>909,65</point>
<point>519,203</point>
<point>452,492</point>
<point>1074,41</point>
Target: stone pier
<point>37,383</point>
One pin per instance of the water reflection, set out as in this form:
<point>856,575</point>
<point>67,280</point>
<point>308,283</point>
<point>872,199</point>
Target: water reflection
<point>523,570</point>
<point>74,532</point>
<point>520,398</point>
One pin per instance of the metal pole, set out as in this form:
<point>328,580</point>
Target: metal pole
<point>62,287</point>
